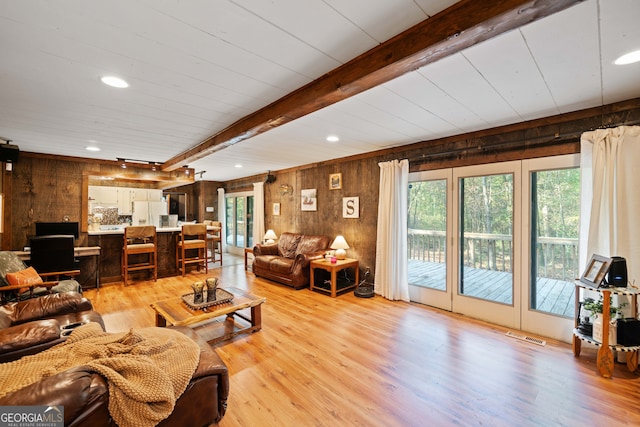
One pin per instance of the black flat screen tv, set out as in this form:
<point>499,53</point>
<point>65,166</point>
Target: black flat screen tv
<point>57,228</point>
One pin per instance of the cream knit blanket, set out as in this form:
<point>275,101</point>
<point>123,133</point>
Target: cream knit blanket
<point>146,369</point>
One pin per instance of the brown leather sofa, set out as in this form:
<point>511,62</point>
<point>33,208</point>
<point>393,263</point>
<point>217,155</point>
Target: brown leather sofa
<point>85,395</point>
<point>288,261</point>
<point>33,325</point>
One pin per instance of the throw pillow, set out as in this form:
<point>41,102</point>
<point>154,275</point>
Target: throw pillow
<point>9,263</point>
<point>27,277</point>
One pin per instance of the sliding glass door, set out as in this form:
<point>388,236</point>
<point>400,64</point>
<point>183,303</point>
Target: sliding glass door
<point>487,219</point>
<point>239,222</point>
<point>461,224</point>
<point>550,243</point>
<point>498,242</point>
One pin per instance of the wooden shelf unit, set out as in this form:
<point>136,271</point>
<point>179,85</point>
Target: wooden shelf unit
<point>604,358</point>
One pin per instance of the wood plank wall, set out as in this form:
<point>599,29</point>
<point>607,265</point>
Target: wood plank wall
<point>42,189</point>
<point>200,195</point>
<point>45,188</point>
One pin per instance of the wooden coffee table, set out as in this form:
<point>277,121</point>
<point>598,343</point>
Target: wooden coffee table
<point>175,312</point>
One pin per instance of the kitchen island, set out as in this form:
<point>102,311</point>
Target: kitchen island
<point>110,242</point>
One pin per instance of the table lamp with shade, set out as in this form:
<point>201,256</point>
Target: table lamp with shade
<point>340,244</point>
<point>270,237</point>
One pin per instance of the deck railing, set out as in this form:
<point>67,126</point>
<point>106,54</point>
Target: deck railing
<point>557,257</point>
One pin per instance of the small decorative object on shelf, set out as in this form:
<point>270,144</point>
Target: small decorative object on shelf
<point>198,293</point>
<point>212,286</point>
<point>596,270</point>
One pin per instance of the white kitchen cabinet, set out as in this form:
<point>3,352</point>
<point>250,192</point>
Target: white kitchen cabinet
<point>155,195</point>
<point>121,197</point>
<point>139,194</point>
<point>124,201</point>
<point>103,196</point>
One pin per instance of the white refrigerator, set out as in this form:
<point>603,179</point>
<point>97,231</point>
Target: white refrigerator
<point>155,210</point>
<point>148,213</point>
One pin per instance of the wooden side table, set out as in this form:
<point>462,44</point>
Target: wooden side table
<point>247,251</point>
<point>339,265</point>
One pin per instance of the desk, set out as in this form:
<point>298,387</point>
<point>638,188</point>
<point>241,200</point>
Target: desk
<point>333,268</point>
<point>79,251</point>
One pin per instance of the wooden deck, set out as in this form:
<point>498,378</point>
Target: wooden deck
<point>553,296</point>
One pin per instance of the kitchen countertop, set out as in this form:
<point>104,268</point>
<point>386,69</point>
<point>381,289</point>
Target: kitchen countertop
<point>117,230</point>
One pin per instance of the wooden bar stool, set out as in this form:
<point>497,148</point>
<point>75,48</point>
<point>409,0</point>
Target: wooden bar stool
<point>214,240</point>
<point>193,237</point>
<point>139,240</point>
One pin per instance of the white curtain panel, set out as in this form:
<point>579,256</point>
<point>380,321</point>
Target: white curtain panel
<point>391,246</point>
<point>610,199</point>
<point>222,217</point>
<point>258,212</point>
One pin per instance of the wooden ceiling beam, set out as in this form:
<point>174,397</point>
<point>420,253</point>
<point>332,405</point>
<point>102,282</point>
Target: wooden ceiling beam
<point>458,27</point>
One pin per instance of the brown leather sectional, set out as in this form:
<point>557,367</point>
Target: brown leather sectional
<point>36,324</point>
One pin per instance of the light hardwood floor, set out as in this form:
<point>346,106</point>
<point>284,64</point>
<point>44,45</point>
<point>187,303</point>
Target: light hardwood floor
<point>350,361</point>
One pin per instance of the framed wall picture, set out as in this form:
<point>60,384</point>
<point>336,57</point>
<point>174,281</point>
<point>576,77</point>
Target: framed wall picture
<point>335,181</point>
<point>351,207</point>
<point>595,271</point>
<point>276,209</point>
<point>309,200</point>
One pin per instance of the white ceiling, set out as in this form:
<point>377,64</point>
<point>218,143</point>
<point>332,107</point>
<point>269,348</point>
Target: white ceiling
<point>196,67</point>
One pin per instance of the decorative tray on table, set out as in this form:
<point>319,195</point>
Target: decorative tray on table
<point>222,297</point>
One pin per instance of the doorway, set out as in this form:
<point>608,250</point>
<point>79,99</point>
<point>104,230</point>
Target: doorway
<point>239,222</point>
<point>177,204</point>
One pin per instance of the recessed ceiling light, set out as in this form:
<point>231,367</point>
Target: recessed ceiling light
<point>92,148</point>
<point>238,165</point>
<point>114,82</point>
<point>333,138</point>
<point>628,58</point>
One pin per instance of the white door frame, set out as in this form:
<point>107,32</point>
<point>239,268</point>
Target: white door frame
<point>434,297</point>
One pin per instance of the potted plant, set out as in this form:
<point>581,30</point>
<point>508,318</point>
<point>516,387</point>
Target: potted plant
<point>595,307</point>
<point>615,312</point>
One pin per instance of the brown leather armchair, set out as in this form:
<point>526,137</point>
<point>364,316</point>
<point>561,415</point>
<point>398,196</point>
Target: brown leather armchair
<point>50,282</point>
<point>288,261</point>
<point>30,326</point>
<point>85,394</point>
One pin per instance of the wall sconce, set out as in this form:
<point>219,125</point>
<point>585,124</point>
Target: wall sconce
<point>270,237</point>
<point>340,244</point>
